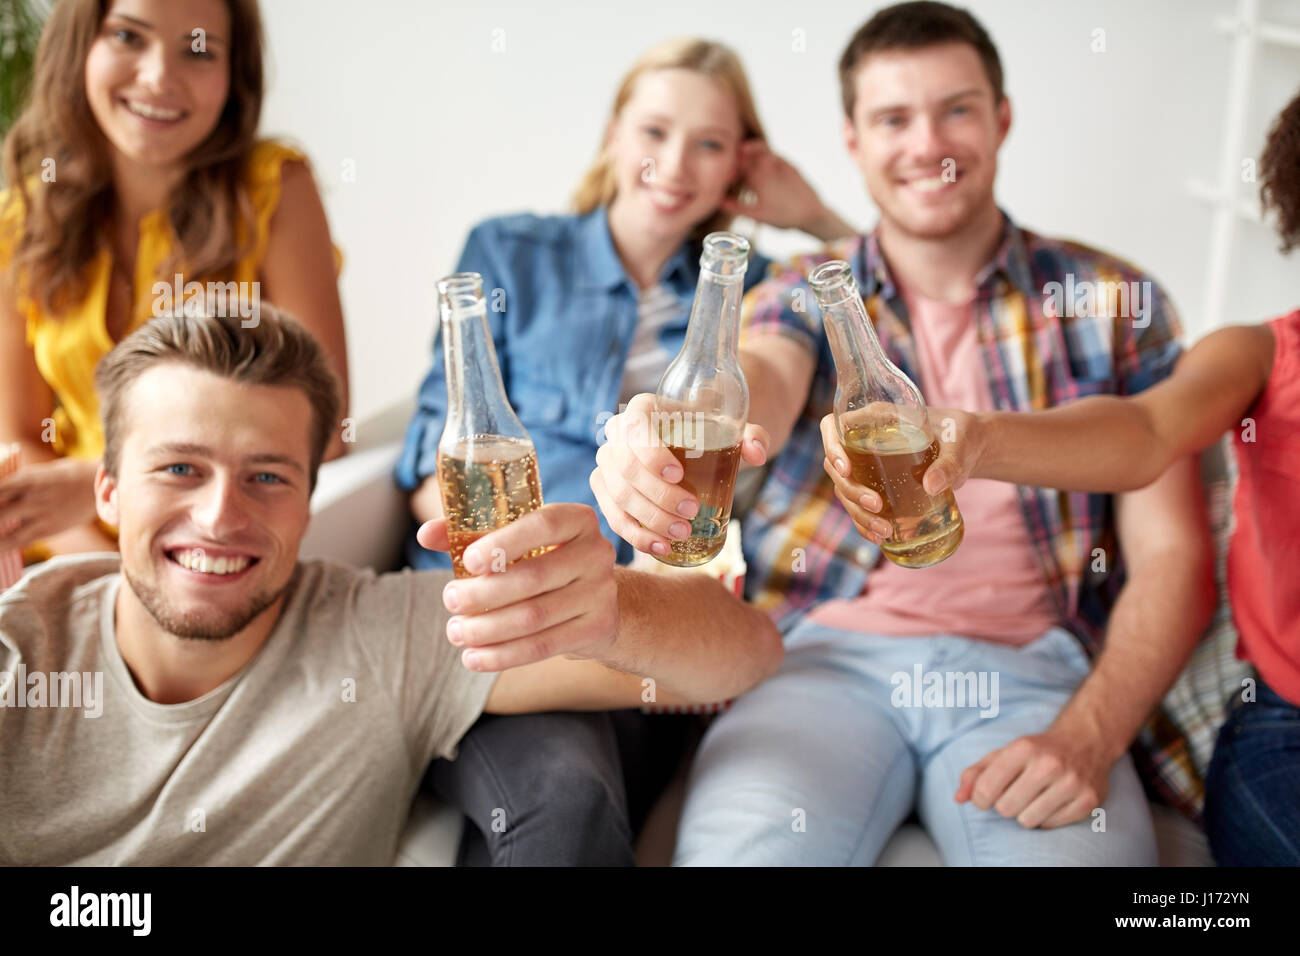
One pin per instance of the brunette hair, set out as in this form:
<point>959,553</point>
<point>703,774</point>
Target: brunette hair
<point>65,224</point>
<point>1279,169</point>
<point>275,350</point>
<point>911,26</point>
<point>598,184</point>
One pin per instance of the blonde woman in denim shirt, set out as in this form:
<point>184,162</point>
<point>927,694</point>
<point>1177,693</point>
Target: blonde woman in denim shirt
<point>595,307</point>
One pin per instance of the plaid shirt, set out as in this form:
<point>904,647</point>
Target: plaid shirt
<point>800,545</point>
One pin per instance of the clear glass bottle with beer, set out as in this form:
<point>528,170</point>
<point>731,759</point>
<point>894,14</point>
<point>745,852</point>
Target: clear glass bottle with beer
<point>487,465</point>
<point>883,424</point>
<point>702,403</point>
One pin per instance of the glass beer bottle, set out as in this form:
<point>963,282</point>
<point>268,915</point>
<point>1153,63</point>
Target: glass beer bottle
<point>702,402</point>
<point>487,465</point>
<point>882,423</point>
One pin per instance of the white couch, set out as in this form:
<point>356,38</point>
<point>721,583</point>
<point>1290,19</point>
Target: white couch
<point>359,517</point>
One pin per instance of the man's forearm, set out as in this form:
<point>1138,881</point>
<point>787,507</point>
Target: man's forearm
<point>691,634</point>
<point>1160,615</point>
<point>828,226</point>
<point>778,371</point>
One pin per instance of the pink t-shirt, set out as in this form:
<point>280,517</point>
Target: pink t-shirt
<point>992,587</point>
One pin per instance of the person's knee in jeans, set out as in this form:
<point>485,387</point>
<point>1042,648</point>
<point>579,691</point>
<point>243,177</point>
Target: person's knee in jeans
<point>538,790</point>
<point>1252,814</point>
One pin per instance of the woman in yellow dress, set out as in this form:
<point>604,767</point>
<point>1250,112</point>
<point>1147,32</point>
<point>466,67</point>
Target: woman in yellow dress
<point>135,170</point>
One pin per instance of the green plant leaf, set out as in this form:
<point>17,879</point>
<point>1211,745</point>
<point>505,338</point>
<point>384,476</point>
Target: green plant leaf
<point>20,31</point>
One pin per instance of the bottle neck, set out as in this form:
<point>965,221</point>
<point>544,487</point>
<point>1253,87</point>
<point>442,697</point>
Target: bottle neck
<point>713,333</point>
<point>868,384</point>
<point>476,397</point>
<point>852,337</point>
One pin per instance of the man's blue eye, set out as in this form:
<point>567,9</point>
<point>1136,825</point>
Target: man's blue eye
<point>960,109</point>
<point>267,478</point>
<point>180,470</point>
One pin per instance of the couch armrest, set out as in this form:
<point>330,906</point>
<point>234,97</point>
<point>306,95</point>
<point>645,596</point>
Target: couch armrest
<point>358,514</point>
<point>432,834</point>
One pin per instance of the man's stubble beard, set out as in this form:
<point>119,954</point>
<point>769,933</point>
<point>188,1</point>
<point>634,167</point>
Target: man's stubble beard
<point>962,223</point>
<point>196,628</point>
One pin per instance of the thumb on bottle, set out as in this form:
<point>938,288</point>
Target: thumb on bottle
<point>753,448</point>
<point>432,535</point>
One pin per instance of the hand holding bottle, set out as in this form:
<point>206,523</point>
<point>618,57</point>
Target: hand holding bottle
<point>672,462</point>
<point>882,429</point>
<point>956,462</point>
<point>564,602</point>
<point>637,480</point>
<point>487,464</point>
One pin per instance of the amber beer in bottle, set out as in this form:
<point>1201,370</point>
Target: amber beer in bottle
<point>702,402</point>
<point>487,466</point>
<point>883,425</point>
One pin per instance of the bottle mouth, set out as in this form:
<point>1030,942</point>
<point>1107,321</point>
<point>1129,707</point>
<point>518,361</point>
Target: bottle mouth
<point>460,291</point>
<point>725,253</point>
<point>832,281</point>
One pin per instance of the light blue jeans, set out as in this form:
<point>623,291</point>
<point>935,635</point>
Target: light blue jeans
<point>821,763</point>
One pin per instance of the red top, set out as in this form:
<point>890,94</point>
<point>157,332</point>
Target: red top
<point>1264,556</point>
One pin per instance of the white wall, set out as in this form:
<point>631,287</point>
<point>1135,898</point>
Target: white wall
<point>443,130</point>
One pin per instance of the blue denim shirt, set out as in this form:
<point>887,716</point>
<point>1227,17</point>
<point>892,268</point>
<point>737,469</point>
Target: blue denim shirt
<point>562,322</point>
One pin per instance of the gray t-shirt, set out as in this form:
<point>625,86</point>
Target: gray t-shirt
<point>311,754</point>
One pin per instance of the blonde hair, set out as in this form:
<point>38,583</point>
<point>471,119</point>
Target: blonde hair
<point>598,184</point>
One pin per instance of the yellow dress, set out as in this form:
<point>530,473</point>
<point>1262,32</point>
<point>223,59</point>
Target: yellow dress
<point>69,346</point>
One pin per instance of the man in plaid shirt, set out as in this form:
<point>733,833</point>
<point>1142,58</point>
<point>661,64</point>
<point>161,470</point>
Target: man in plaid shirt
<point>997,693</point>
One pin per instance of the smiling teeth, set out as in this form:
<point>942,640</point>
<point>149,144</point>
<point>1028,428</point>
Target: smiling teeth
<point>152,112</point>
<point>669,199</point>
<point>197,561</point>
<point>933,184</point>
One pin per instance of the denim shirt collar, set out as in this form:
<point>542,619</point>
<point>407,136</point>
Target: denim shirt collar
<point>1009,263</point>
<point>599,267</point>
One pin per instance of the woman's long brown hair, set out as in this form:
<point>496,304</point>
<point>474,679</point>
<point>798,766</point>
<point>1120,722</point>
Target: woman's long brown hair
<point>67,222</point>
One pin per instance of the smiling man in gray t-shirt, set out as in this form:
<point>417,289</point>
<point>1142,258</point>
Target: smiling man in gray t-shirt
<point>310,753</point>
<point>242,707</point>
